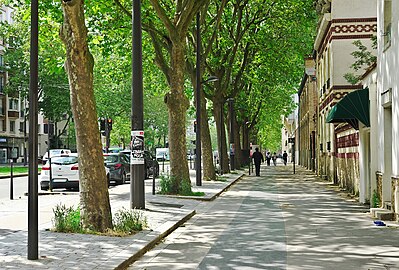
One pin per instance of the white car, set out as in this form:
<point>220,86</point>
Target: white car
<point>64,173</point>
<point>55,152</point>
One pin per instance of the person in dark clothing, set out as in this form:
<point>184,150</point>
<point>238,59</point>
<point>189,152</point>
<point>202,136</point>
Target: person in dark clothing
<point>268,158</point>
<point>258,158</point>
<point>285,157</point>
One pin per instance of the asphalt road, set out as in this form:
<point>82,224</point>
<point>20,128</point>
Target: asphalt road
<point>278,221</point>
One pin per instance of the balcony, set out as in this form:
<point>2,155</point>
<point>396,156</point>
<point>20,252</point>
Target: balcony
<point>13,114</point>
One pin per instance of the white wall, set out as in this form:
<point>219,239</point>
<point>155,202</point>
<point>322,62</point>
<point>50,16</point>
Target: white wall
<point>352,8</point>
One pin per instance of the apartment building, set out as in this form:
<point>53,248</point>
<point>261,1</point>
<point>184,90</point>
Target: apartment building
<point>341,23</point>
<point>307,120</point>
<point>14,125</point>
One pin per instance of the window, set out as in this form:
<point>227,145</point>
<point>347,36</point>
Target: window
<point>1,60</point>
<point>387,23</point>
<point>12,126</point>
<point>21,127</point>
<point>3,125</point>
<point>13,104</point>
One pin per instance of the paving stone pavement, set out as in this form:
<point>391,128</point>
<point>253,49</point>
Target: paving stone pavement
<point>77,251</point>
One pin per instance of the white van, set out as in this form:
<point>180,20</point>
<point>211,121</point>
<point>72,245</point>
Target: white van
<point>55,152</point>
<point>162,154</point>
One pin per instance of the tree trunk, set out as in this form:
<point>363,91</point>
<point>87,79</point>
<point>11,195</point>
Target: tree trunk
<point>178,104</point>
<point>207,155</point>
<point>218,114</point>
<point>237,144</point>
<point>94,197</point>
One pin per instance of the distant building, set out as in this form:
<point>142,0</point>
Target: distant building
<point>307,120</point>
<point>14,125</point>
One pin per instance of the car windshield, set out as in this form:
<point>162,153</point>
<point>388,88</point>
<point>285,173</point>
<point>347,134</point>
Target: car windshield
<point>64,160</point>
<point>111,159</point>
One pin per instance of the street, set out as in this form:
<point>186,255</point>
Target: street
<point>20,187</point>
<point>278,221</point>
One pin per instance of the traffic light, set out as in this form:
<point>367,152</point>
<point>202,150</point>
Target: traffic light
<point>195,126</point>
<point>102,123</point>
<point>109,123</point>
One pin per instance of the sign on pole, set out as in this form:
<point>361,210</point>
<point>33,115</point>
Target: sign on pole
<point>137,147</point>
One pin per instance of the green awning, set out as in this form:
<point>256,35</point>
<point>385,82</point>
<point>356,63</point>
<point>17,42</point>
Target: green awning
<point>354,107</point>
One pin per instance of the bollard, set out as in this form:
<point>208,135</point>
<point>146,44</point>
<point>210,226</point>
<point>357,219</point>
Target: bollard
<point>11,180</point>
<point>163,163</point>
<point>153,177</point>
<point>50,183</point>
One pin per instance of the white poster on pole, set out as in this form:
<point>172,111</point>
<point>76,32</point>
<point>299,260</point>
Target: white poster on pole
<point>137,147</point>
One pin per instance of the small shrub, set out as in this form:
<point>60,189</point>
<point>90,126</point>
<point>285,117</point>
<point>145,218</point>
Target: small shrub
<point>67,219</point>
<point>167,185</point>
<point>128,221</point>
<point>125,222</point>
<point>221,178</point>
<point>375,200</point>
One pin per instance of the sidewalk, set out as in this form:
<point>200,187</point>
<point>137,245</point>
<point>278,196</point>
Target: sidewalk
<point>77,251</point>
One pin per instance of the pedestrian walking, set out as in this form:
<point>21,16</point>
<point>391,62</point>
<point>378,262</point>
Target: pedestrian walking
<point>285,157</point>
<point>274,157</point>
<point>258,158</point>
<point>268,158</point>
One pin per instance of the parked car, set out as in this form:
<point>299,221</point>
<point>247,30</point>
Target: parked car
<point>55,152</point>
<point>119,167</point>
<point>64,173</point>
<point>149,163</point>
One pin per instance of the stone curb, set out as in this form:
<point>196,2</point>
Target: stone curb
<point>154,242</point>
<point>207,199</point>
<point>15,175</point>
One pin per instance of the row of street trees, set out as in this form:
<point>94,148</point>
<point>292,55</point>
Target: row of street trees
<point>254,47</point>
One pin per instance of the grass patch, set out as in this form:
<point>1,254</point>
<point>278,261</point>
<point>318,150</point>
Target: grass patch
<point>233,172</point>
<point>7,170</point>
<point>125,221</point>
<point>168,186</point>
<point>221,178</point>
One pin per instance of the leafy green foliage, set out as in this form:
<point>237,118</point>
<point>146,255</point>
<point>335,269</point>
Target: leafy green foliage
<point>125,221</point>
<point>67,219</point>
<point>364,58</point>
<point>375,200</point>
<point>129,221</point>
<point>168,185</point>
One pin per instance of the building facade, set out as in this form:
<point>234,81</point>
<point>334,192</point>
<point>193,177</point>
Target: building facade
<point>340,25</point>
<point>387,173</point>
<point>307,120</point>
<point>14,123</point>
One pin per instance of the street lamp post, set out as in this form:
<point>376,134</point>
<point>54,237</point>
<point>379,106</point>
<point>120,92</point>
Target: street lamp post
<point>33,230</point>
<point>137,199</point>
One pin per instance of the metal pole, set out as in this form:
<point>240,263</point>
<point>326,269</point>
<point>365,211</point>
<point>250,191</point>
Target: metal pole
<point>49,156</point>
<point>232,154</point>
<point>137,195</point>
<point>153,176</point>
<point>293,156</point>
<point>198,176</point>
<point>163,162</point>
<point>11,180</point>
<point>33,232</point>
